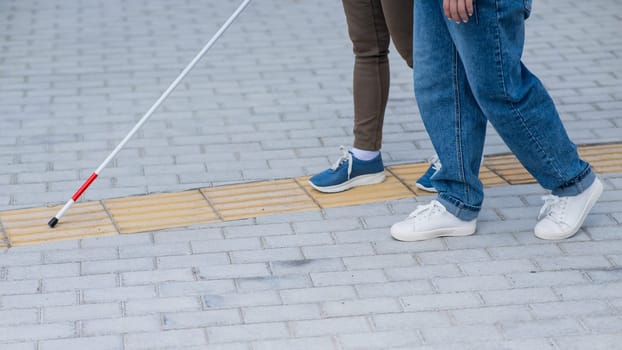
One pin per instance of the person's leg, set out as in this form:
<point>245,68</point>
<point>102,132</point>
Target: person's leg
<point>513,99</point>
<point>523,113</point>
<point>398,15</point>
<point>370,40</point>
<point>457,129</point>
<point>452,118</point>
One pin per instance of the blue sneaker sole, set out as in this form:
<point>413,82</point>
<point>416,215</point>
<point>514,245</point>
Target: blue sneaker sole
<point>362,180</point>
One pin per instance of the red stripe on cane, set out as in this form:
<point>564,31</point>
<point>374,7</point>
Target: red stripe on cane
<point>84,186</point>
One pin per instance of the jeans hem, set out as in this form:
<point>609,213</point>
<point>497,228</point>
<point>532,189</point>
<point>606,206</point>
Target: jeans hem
<point>577,184</point>
<point>458,209</point>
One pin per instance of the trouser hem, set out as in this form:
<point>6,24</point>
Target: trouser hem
<point>457,208</point>
<point>577,184</point>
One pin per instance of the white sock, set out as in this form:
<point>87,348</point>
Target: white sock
<point>363,154</point>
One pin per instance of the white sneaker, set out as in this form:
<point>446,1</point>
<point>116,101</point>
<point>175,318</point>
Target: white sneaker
<point>431,221</point>
<point>561,217</point>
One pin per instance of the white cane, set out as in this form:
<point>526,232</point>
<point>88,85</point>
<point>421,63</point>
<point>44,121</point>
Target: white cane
<point>147,115</point>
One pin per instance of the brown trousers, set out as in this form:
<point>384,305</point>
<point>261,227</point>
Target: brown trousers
<point>371,26</point>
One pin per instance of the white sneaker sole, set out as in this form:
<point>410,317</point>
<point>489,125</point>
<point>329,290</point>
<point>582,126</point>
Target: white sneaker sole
<point>427,189</point>
<point>362,180</point>
<point>598,191</point>
<point>425,235</point>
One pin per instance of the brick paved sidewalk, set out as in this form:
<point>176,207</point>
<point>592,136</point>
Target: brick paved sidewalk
<point>273,100</point>
<point>325,280</point>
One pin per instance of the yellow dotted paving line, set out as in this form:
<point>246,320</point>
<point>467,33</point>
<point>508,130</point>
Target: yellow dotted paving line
<point>226,203</point>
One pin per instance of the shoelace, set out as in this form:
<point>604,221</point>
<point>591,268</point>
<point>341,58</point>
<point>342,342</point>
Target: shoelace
<point>554,208</point>
<point>425,211</point>
<point>345,156</point>
<point>435,161</point>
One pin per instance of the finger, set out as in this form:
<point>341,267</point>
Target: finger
<point>469,6</point>
<point>447,8</point>
<point>462,11</point>
<point>454,11</point>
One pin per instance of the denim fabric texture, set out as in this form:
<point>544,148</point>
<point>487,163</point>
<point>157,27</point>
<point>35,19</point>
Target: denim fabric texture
<point>467,74</point>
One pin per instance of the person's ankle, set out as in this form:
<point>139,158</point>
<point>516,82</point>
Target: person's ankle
<point>364,155</point>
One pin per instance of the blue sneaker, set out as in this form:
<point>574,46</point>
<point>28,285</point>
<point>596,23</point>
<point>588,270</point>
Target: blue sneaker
<point>425,181</point>
<point>348,172</point>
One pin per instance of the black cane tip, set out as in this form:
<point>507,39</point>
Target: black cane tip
<point>53,222</point>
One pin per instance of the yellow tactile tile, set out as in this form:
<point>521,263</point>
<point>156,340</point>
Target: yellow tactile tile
<point>4,244</point>
<point>489,178</point>
<point>509,169</point>
<point>390,189</point>
<point>260,198</point>
<point>409,174</point>
<point>603,158</point>
<point>160,211</point>
<point>29,226</point>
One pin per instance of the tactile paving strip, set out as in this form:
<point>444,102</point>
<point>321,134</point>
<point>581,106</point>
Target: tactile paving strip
<point>260,198</point>
<point>508,168</point>
<point>489,178</point>
<point>28,226</point>
<point>603,158</point>
<point>159,211</point>
<point>168,210</point>
<point>390,189</point>
<point>4,241</point>
<point>409,173</point>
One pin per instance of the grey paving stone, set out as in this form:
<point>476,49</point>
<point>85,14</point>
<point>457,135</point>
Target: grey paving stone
<point>519,296</point>
<point>261,331</point>
<point>570,309</point>
<point>204,318</point>
<point>109,342</point>
<point>81,282</point>
<point>322,279</point>
<point>471,283</point>
<point>378,340</point>
<point>81,312</point>
<point>329,326</point>
<point>318,294</point>
<point>547,328</point>
<point>597,342</point>
<point>148,340</point>
<point>136,278</point>
<point>21,301</point>
<point>19,316</point>
<point>114,266</point>
<point>296,344</point>
<point>37,331</point>
<point>120,325</point>
<point>443,335</point>
<point>280,313</point>
<point>118,294</point>
<point>491,315</point>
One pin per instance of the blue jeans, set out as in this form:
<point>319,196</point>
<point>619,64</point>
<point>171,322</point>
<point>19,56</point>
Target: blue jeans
<point>469,73</point>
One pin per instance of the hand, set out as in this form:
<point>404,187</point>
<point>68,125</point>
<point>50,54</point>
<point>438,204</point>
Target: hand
<point>458,10</point>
